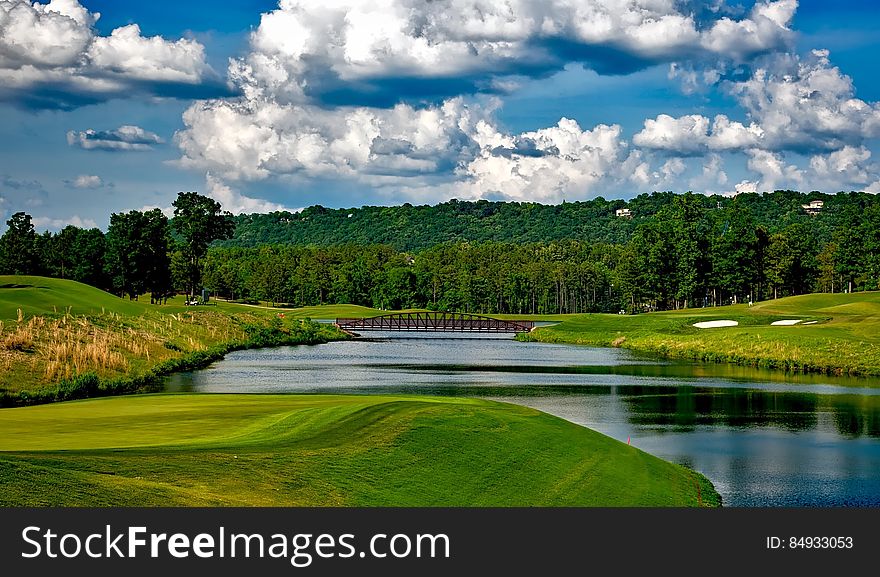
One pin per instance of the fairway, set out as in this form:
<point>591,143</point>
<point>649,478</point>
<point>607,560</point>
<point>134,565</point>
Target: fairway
<point>299,450</point>
<point>843,336</point>
<point>37,295</point>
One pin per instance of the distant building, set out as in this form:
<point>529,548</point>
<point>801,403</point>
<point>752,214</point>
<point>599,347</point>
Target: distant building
<point>815,207</point>
<point>623,213</point>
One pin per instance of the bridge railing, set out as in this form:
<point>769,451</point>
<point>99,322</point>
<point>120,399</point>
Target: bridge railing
<point>435,321</point>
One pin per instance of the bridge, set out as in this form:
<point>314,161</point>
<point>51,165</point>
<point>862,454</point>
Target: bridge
<point>434,321</point>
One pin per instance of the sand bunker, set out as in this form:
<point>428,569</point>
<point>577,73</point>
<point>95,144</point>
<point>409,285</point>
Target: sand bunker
<point>714,324</point>
<point>811,322</point>
<point>785,323</point>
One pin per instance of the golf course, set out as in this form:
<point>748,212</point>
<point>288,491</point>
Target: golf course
<point>834,333</point>
<point>261,450</point>
<point>297,450</point>
<point>344,450</point>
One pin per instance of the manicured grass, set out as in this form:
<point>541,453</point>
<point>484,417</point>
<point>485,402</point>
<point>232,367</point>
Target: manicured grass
<point>36,295</point>
<point>844,339</point>
<point>262,450</point>
<point>325,312</point>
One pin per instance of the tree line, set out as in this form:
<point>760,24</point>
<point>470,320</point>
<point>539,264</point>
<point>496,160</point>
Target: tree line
<point>142,252</point>
<point>687,252</point>
<point>416,228</point>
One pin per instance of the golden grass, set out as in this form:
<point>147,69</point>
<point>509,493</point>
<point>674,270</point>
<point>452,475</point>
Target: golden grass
<point>45,349</point>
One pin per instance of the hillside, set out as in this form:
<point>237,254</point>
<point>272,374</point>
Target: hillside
<point>37,295</point>
<point>61,339</point>
<point>413,228</point>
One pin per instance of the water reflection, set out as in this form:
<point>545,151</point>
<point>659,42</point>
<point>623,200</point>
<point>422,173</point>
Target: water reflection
<point>763,438</point>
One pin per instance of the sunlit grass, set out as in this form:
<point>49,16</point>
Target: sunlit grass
<point>844,339</point>
<point>261,450</point>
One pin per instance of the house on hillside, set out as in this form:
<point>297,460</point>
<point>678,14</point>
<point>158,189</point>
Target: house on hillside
<point>623,213</point>
<point>815,207</point>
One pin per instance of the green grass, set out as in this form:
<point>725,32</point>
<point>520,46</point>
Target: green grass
<point>55,333</point>
<point>844,340</point>
<point>325,312</point>
<point>36,295</point>
<point>298,450</point>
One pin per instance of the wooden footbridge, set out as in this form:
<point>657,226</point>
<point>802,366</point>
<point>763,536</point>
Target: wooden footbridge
<point>434,321</point>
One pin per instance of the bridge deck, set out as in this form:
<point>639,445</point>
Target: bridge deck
<point>430,321</point>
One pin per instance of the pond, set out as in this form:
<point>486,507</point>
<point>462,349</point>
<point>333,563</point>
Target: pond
<point>764,438</point>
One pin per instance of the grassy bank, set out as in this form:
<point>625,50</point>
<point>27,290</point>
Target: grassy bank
<point>843,337</point>
<point>61,340</point>
<point>262,450</point>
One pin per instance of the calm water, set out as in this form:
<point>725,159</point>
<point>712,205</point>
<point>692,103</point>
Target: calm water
<point>763,438</point>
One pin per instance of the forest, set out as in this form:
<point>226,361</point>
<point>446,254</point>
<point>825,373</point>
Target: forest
<point>671,251</point>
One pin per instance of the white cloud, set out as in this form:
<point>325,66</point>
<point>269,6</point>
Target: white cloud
<point>85,181</point>
<point>671,169</point>
<point>454,149</point>
<point>850,165</point>
<point>166,210</point>
<point>561,161</point>
<point>47,223</point>
<point>806,104</point>
<point>712,176</point>
<point>307,57</point>
<point>256,139</point>
<point>692,134</point>
<point>767,27</point>
<point>43,35</point>
<point>50,55</point>
<point>775,173</point>
<point>746,186</point>
<point>126,53</point>
<point>235,202</point>
<point>126,137</point>
<point>318,47</point>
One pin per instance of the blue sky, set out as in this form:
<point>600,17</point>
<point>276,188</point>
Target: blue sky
<point>267,106</point>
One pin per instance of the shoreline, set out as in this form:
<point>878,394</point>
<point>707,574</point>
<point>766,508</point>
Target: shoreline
<point>90,385</point>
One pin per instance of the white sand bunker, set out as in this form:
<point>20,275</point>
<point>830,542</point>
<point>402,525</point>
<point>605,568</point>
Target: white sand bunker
<point>785,323</point>
<point>811,322</point>
<point>714,324</point>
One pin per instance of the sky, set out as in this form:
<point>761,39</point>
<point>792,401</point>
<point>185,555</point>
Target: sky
<point>110,106</point>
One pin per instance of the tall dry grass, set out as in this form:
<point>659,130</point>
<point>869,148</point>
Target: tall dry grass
<point>43,350</point>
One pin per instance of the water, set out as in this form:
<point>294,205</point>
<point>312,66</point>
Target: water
<point>764,438</point>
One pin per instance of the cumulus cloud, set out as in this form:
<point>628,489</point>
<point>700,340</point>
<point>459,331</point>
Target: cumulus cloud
<point>358,51</point>
<point>850,165</point>
<point>166,210</point>
<point>256,139</point>
<point>51,56</point>
<point>712,177</point>
<point>385,93</point>
<point>577,162</point>
<point>126,137</point>
<point>775,173</point>
<point>235,202</point>
<point>806,104</point>
<point>767,27</point>
<point>85,181</point>
<point>692,134</point>
<point>48,223</point>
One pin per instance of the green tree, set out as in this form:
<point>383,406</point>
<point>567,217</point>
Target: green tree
<point>199,221</point>
<point>735,253</point>
<point>157,259</point>
<point>18,246</point>
<point>137,257</point>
